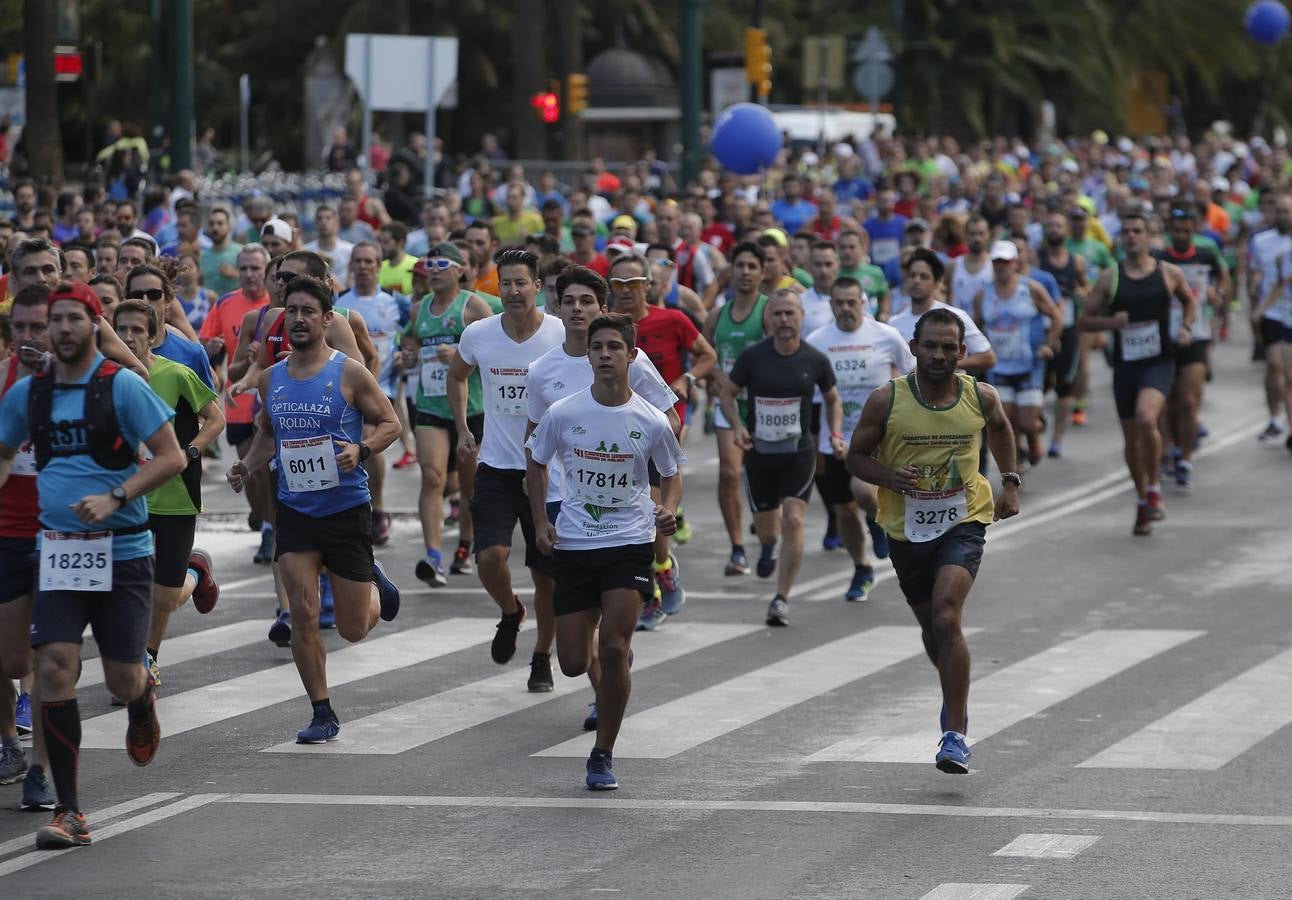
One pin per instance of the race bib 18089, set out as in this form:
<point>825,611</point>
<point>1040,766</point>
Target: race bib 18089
<point>777,418</point>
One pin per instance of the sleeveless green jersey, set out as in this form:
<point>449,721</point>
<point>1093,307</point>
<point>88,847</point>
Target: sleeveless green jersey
<point>431,331</point>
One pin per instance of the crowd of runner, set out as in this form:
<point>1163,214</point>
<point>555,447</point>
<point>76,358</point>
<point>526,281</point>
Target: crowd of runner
<point>874,326</point>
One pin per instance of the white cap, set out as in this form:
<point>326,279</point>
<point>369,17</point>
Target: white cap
<point>1004,250</point>
<point>843,150</point>
<point>809,159</point>
<point>1219,183</point>
<point>276,227</point>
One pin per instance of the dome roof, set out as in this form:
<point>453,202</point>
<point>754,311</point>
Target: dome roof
<point>619,77</point>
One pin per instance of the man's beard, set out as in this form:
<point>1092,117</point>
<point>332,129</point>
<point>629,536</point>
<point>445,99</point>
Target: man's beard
<point>76,353</point>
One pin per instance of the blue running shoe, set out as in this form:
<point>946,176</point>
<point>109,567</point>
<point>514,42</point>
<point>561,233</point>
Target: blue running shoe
<point>387,591</point>
<point>942,718</point>
<point>878,538</point>
<point>322,728</point>
<point>672,596</point>
<point>863,579</point>
<point>281,631</point>
<point>953,754</point>
<point>327,605</point>
<point>22,714</point>
<point>831,542</point>
<point>737,564</point>
<point>767,559</point>
<point>37,795</point>
<point>652,616</point>
<point>600,778</point>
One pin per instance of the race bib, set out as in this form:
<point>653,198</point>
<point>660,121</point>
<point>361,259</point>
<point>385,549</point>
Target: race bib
<point>308,464</point>
<point>1141,340</point>
<point>931,514</point>
<point>777,418</point>
<point>1007,342</point>
<point>1069,312</point>
<point>434,374</point>
<point>856,369</point>
<point>883,250</point>
<point>385,344</point>
<point>75,562</point>
<point>507,391</point>
<point>602,477</point>
<point>24,462</point>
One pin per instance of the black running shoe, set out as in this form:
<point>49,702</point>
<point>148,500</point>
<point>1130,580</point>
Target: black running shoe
<point>503,647</point>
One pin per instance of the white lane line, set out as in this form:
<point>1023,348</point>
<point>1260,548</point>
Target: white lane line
<point>788,806</point>
<point>207,642</point>
<point>257,690</point>
<point>246,582</point>
<point>121,826</point>
<point>1208,732</point>
<point>1047,846</point>
<point>1009,696</point>
<point>1072,501</point>
<point>410,725</point>
<point>451,592</point>
<point>671,728</point>
<point>103,815</point>
<point>958,890</point>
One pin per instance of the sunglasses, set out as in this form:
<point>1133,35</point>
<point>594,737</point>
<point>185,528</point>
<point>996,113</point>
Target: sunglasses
<point>580,232</point>
<point>624,282</point>
<point>153,294</point>
<point>440,262</point>
<point>284,277</point>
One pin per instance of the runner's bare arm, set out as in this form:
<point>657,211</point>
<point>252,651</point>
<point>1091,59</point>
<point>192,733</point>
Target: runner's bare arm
<point>834,415</point>
<point>690,300</point>
<point>1083,277</point>
<point>175,316</point>
<point>262,444</point>
<point>731,411</point>
<point>247,351</point>
<point>716,287</point>
<point>1004,450</point>
<point>1047,307</point>
<point>7,454</point>
<point>115,349</point>
<point>377,411</point>
<point>865,441</point>
<point>459,372</point>
<point>536,488</point>
<point>212,419</point>
<point>167,462</point>
<point>1092,317</point>
<point>1179,286</point>
<point>340,336</point>
<point>703,357</point>
<point>670,497</point>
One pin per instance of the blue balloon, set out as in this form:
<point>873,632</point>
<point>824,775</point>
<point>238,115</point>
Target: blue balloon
<point>1267,22</point>
<point>746,139</point>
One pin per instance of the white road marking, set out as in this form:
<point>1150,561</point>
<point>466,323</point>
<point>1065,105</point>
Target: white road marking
<point>1047,846</point>
<point>260,689</point>
<point>956,890</point>
<point>102,815</point>
<point>410,725</point>
<point>207,642</point>
<point>1010,695</point>
<point>671,728</point>
<point>1213,729</point>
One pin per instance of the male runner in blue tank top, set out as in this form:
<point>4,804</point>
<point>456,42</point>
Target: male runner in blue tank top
<point>315,404</point>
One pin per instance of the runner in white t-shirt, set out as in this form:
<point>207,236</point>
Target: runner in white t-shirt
<point>864,354</point>
<point>923,274</point>
<point>502,348</point>
<point>604,440</point>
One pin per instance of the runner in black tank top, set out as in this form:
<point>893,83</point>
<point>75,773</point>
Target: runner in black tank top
<point>1066,369</point>
<point>1134,299</point>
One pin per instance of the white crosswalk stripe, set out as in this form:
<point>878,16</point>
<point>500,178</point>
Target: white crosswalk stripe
<point>1048,846</point>
<point>260,689</point>
<point>957,890</point>
<point>410,725</point>
<point>208,642</point>
<point>1213,729</point>
<point>1009,696</point>
<point>679,725</point>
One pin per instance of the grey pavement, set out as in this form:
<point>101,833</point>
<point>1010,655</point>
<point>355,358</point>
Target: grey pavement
<point>1130,704</point>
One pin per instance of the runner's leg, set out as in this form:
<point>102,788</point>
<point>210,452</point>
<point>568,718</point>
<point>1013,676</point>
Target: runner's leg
<point>793,512</point>
<point>730,463</point>
<point>620,610</point>
<point>300,571</point>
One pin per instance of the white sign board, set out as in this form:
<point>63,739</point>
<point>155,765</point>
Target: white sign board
<point>401,73</point>
<point>13,103</point>
<point>727,87</point>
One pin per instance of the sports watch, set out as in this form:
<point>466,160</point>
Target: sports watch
<point>1011,478</point>
<point>118,494</point>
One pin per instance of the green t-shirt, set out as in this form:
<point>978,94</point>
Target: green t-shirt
<point>803,277</point>
<point>871,277</point>
<point>432,330</point>
<point>730,338</point>
<point>212,260</point>
<point>495,303</point>
<point>1095,254</point>
<point>180,388</point>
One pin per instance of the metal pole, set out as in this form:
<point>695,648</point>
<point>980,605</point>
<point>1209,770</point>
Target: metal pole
<point>244,122</point>
<point>823,94</point>
<point>156,74</point>
<point>367,107</point>
<point>181,57</point>
<point>692,13</point>
<point>428,171</point>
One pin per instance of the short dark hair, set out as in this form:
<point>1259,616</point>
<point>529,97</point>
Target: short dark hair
<point>316,264</point>
<point>555,266</point>
<point>72,248</point>
<point>33,295</point>
<point>480,223</point>
<point>518,257</point>
<point>824,245</point>
<point>149,247</point>
<point>584,276</point>
<point>847,281</point>
<point>632,258</point>
<point>397,230</point>
<point>551,203</point>
<point>312,286</point>
<point>940,315</point>
<point>137,306</point>
<point>35,245</point>
<point>619,322</point>
<point>107,279</point>
<point>668,251</point>
<point>547,244</point>
<point>146,269</point>
<point>930,259</point>
<point>1134,211</point>
<point>803,235</point>
<point>751,248</point>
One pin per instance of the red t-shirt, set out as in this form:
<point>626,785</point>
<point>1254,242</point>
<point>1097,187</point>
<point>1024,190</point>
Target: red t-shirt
<point>720,236</point>
<point>599,264</point>
<point>225,321</point>
<point>827,231</point>
<point>19,501</point>
<point>665,336</point>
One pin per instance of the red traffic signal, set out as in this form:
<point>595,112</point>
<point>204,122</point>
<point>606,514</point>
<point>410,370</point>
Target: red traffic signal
<point>548,104</point>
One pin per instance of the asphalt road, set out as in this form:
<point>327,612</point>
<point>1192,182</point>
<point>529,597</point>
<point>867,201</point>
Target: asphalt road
<point>1129,708</point>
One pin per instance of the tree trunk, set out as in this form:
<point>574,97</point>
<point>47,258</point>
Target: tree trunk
<point>527,43</point>
<point>41,136</point>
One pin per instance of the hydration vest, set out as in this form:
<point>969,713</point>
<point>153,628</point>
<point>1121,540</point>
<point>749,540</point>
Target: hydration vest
<point>105,443</point>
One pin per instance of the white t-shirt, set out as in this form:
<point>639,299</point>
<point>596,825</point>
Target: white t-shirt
<point>975,340</point>
<point>816,310</point>
<point>965,285</point>
<point>556,375</point>
<point>339,256</point>
<point>862,361</point>
<point>380,313</point>
<point>604,451</point>
<point>504,367</point>
<point>1269,250</point>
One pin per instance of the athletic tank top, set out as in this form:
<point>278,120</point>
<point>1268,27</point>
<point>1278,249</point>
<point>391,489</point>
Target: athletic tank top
<point>431,331</point>
<point>1147,301</point>
<point>1066,276</point>
<point>965,285</point>
<point>942,444</point>
<point>275,339</point>
<point>1007,323</point>
<point>730,338</point>
<point>309,416</point>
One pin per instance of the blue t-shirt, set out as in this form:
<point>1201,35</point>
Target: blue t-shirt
<point>183,351</point>
<point>68,479</point>
<point>1047,281</point>
<point>885,239</point>
<point>848,190</point>
<point>794,216</point>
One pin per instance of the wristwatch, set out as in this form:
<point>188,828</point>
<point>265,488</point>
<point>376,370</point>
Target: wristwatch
<point>364,452</point>
<point>193,453</point>
<point>1011,478</point>
<point>118,494</point>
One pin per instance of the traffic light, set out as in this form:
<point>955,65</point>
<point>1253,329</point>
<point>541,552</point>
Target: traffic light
<point>758,60</point>
<point>576,94</point>
<point>548,103</point>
